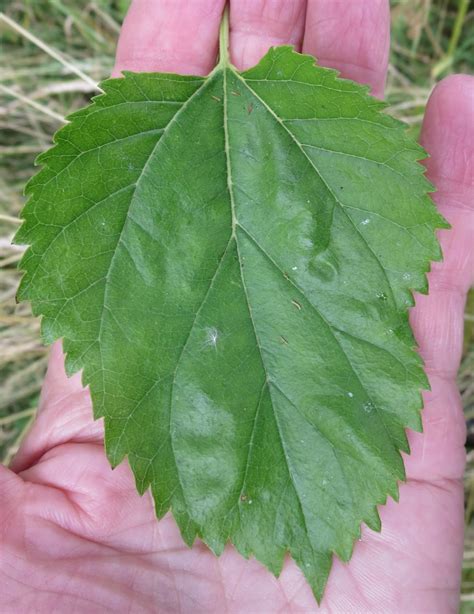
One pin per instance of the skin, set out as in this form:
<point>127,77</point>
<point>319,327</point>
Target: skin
<point>75,536</point>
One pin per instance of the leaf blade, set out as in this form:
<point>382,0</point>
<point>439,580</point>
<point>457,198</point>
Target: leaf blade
<point>215,253</point>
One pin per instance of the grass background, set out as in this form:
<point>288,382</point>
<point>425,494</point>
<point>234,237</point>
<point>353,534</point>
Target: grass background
<point>430,39</point>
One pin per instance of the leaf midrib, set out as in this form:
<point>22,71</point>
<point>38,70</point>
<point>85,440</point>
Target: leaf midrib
<point>249,307</point>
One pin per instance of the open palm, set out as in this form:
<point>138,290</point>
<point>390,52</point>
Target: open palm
<point>75,536</point>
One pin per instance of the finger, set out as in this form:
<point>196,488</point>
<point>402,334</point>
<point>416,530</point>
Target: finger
<point>257,25</point>
<point>11,491</point>
<point>12,494</point>
<point>448,136</point>
<point>437,319</point>
<point>352,37</point>
<point>170,36</point>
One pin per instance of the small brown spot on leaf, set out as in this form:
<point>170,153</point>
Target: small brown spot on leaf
<point>250,108</point>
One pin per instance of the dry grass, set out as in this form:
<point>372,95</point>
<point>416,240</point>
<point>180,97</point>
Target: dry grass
<point>52,54</point>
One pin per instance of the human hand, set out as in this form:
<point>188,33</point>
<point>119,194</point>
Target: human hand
<point>75,535</point>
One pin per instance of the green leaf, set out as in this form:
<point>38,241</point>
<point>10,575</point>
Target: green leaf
<point>230,261</point>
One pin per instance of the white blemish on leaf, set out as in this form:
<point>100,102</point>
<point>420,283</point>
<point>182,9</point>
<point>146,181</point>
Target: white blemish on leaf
<point>212,336</point>
<point>369,407</point>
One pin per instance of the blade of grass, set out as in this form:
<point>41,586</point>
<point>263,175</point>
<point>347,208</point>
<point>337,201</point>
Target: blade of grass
<point>32,103</point>
<point>10,418</point>
<point>457,28</point>
<point>49,50</point>
<point>9,218</point>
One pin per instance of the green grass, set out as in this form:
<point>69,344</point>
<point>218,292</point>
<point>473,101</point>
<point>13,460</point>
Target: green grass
<point>430,39</point>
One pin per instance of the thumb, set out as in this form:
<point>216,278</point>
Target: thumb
<point>12,489</point>
<point>64,415</point>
